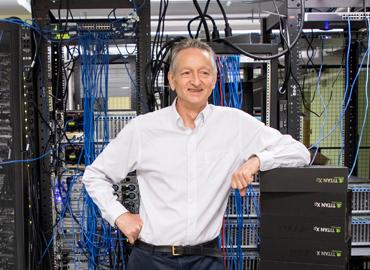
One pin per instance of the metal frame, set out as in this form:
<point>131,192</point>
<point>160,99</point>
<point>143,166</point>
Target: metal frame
<point>293,95</point>
<point>350,136</point>
<point>43,17</point>
<point>289,112</point>
<point>271,22</point>
<point>17,148</point>
<point>17,173</point>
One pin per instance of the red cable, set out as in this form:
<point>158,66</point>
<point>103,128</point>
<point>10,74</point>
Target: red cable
<point>222,100</point>
<point>223,241</point>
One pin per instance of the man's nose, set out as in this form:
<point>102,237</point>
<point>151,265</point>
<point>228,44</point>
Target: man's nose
<point>195,79</point>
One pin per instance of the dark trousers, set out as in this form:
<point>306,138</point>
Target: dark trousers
<point>145,260</point>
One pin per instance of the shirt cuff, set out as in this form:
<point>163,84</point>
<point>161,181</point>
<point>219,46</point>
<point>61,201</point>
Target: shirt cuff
<point>115,211</point>
<point>266,160</point>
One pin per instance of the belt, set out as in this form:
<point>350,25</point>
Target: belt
<point>206,249</point>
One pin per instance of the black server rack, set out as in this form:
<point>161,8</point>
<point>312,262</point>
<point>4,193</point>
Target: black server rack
<point>15,128</point>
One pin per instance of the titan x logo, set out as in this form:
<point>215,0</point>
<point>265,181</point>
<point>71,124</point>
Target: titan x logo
<point>331,229</point>
<point>333,253</point>
<point>330,180</point>
<point>328,204</point>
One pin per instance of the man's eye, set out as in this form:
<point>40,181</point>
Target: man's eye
<point>185,73</point>
<point>205,73</point>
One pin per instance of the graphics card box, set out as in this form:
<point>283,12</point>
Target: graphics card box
<point>279,265</point>
<point>305,179</point>
<point>305,251</point>
<point>325,228</point>
<point>313,204</point>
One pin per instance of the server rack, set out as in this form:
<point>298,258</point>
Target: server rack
<point>50,87</point>
<point>16,137</point>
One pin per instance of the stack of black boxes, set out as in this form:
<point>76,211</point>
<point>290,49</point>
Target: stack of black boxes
<point>305,219</point>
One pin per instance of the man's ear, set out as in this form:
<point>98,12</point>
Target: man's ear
<point>171,80</point>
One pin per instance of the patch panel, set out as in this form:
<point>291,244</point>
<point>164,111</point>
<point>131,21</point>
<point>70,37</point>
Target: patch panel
<point>249,234</point>
<point>115,123</point>
<point>354,16</point>
<point>105,126</point>
<point>250,204</point>
<point>360,198</point>
<point>361,231</point>
<point>250,261</point>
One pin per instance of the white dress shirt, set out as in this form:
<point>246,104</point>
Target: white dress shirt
<point>185,174</point>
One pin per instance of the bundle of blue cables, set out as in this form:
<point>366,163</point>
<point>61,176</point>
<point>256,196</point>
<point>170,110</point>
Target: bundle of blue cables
<point>97,236</point>
<point>229,89</point>
<point>229,92</point>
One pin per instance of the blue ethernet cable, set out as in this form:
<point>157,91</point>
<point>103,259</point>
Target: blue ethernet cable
<point>228,92</point>
<point>26,160</point>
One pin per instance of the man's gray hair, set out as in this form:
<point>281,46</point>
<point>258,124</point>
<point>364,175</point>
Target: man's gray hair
<point>191,43</point>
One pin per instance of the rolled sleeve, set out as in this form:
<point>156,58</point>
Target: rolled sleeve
<point>114,212</point>
<point>266,160</point>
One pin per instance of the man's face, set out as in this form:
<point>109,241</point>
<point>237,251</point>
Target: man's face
<point>193,77</point>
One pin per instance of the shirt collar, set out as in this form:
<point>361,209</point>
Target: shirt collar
<point>202,116</point>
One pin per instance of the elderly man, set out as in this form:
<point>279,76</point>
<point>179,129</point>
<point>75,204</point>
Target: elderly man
<point>187,157</point>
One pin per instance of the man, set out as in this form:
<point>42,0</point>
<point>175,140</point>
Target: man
<point>186,156</point>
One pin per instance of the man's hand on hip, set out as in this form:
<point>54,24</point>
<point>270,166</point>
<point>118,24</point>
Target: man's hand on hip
<point>243,176</point>
<point>130,225</point>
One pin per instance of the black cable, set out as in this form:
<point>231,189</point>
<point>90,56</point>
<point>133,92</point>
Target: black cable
<point>204,12</point>
<point>288,71</point>
<point>304,100</point>
<point>206,30</point>
<point>284,42</point>
<point>228,31</point>
<point>199,17</point>
<point>158,28</point>
<point>310,48</point>
<point>163,20</point>
<point>281,23</point>
<point>223,12</point>
<point>259,57</point>
<point>154,66</point>
<point>157,41</point>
